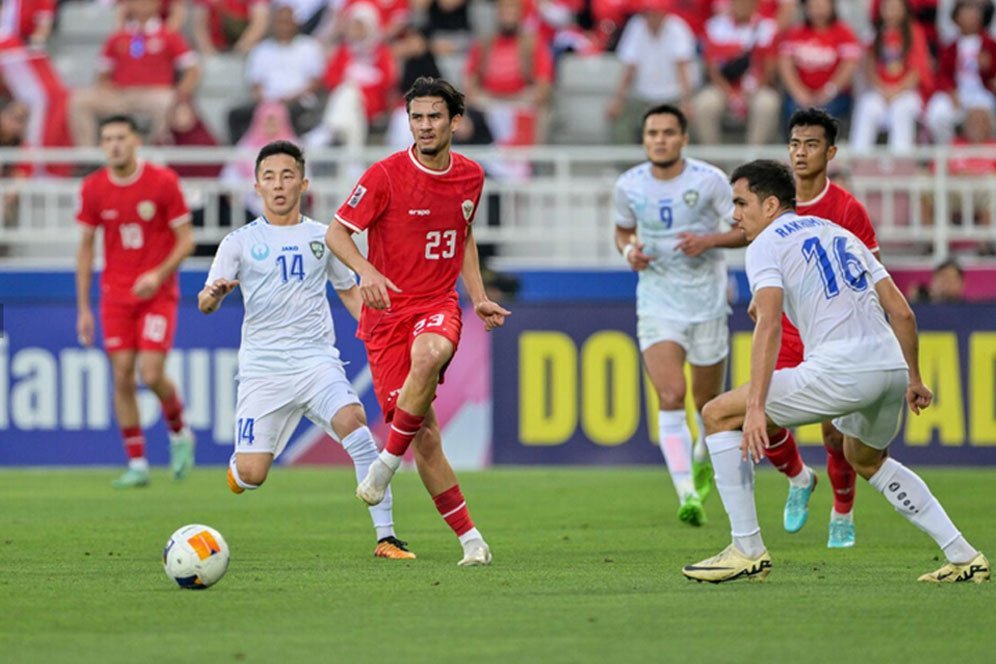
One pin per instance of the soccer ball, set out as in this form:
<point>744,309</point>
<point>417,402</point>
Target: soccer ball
<point>196,557</point>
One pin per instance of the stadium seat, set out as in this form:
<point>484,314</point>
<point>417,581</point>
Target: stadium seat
<point>451,67</point>
<point>592,74</point>
<point>583,91</point>
<point>75,64</point>
<point>224,74</point>
<point>85,22</point>
<point>213,110</point>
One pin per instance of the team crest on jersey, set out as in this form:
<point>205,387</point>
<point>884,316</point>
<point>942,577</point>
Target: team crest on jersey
<point>146,210</point>
<point>468,209</point>
<point>691,197</point>
<point>357,196</point>
<point>317,248</point>
<point>259,251</point>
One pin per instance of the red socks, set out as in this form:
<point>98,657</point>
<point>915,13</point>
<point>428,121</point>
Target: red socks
<point>134,442</point>
<point>453,508</point>
<point>842,479</point>
<point>404,427</point>
<point>173,412</point>
<point>784,453</point>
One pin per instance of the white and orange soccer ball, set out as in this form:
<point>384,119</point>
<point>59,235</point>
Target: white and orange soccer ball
<point>196,557</point>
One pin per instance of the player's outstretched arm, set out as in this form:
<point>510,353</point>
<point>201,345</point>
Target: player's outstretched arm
<point>492,313</point>
<point>212,295</point>
<point>903,322</point>
<point>374,286</point>
<point>764,353</point>
<point>84,278</point>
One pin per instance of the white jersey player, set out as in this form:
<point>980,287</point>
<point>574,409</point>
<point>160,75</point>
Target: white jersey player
<point>670,216</point>
<point>859,370</point>
<point>289,366</point>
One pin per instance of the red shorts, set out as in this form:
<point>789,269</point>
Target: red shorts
<point>791,352</point>
<point>389,344</point>
<point>142,325</point>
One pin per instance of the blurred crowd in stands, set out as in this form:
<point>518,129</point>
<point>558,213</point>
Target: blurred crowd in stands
<point>904,72</point>
<point>333,72</point>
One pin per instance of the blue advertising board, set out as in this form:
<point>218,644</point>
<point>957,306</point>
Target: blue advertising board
<point>56,397</point>
<point>568,387</point>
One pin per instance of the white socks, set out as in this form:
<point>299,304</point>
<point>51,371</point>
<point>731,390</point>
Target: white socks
<point>362,450</point>
<point>235,474</point>
<point>141,464</point>
<point>676,444</point>
<point>803,479</point>
<point>735,483</point>
<point>392,461</point>
<point>911,498</point>
<point>470,536</point>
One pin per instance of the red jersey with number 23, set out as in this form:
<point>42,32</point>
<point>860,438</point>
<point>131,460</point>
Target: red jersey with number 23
<point>418,219</point>
<point>138,215</point>
<point>842,208</point>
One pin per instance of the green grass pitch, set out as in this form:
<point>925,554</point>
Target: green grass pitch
<point>586,569</point>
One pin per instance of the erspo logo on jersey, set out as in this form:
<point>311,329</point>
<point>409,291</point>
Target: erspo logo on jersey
<point>357,196</point>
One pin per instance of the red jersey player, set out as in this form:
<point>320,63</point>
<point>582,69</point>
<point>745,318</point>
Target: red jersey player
<point>812,144</point>
<point>147,234</point>
<point>418,206</point>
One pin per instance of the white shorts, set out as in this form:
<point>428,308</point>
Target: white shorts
<point>866,405</point>
<point>269,408</point>
<point>706,343</point>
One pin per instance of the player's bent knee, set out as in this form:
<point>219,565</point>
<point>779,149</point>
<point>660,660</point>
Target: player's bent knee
<point>714,415</point>
<point>671,400</point>
<point>348,419</point>
<point>863,459</point>
<point>252,471</point>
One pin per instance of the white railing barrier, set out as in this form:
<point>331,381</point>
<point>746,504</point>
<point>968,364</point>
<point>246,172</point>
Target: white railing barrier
<point>547,206</point>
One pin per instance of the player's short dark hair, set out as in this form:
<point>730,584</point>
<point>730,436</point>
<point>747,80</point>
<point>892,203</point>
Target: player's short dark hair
<point>953,263</point>
<point>120,118</point>
<point>666,109</point>
<point>280,147</point>
<point>427,86</point>
<point>767,177</point>
<point>816,117</point>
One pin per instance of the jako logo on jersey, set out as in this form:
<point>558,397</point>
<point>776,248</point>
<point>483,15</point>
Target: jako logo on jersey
<point>317,248</point>
<point>357,196</point>
<point>468,209</point>
<point>109,214</point>
<point>691,197</point>
<point>259,251</point>
<point>418,213</point>
<point>146,210</point>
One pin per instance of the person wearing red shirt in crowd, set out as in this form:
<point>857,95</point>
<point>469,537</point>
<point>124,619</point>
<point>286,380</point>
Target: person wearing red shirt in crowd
<point>924,13</point>
<point>147,234</point>
<point>817,61</point>
<point>966,71</point>
<point>392,17</point>
<point>418,206</point>
<point>30,78</point>
<point>812,145</point>
<point>897,69</point>
<point>229,25</point>
<point>138,67</point>
<point>173,14</point>
<point>359,75</point>
<point>29,20</point>
<point>509,76</point>
<point>740,60</point>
